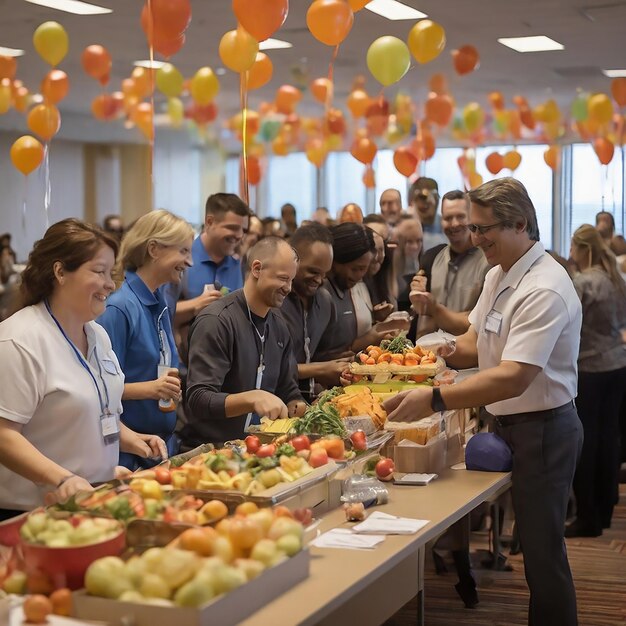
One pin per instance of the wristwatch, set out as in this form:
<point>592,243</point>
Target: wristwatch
<point>437,404</point>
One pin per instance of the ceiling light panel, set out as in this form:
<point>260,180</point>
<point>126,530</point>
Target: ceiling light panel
<point>539,43</point>
<point>393,10</point>
<point>11,52</point>
<point>274,44</point>
<point>72,6</point>
<point>614,73</point>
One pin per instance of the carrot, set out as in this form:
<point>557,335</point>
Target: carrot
<point>363,357</point>
<point>370,361</point>
<point>385,357</point>
<point>397,358</point>
<point>411,360</point>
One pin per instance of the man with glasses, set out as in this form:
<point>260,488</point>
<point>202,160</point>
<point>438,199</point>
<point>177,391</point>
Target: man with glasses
<point>524,335</point>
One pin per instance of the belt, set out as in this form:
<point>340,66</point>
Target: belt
<point>521,418</point>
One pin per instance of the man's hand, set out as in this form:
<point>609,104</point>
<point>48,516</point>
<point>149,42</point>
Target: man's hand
<point>409,406</point>
<point>331,375</point>
<point>205,299</point>
<point>423,302</point>
<point>382,311</point>
<point>166,387</point>
<point>266,404</point>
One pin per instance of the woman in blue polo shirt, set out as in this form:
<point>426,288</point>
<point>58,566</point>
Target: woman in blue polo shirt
<point>154,252</point>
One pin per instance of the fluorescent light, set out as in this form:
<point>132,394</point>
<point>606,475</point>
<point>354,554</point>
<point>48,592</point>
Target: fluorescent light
<point>614,73</point>
<point>274,44</point>
<point>37,98</point>
<point>72,6</point>
<point>539,43</point>
<point>220,71</point>
<point>393,10</point>
<point>154,65</point>
<point>11,52</point>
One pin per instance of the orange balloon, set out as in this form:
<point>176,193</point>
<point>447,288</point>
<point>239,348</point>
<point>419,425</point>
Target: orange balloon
<point>280,147</point>
<point>8,67</point>
<point>254,170</point>
<point>166,46</point>
<point>26,154</point>
<point>527,118</point>
<point>377,117</point>
<point>364,150</point>
<point>144,82</point>
<point>439,109</point>
<point>166,19</point>
<point>494,162</point>
<point>55,86</point>
<point>261,22</point>
<point>315,152</point>
<point>618,90</point>
<point>238,50</point>
<point>465,59</point>
<point>44,120</point>
<point>201,114</point>
<point>20,99</point>
<point>551,157</point>
<point>405,161</point>
<point>475,180</point>
<point>335,122</point>
<point>511,160</point>
<point>604,149</point>
<point>357,5</point>
<point>358,102</point>
<point>369,178</point>
<point>438,84</point>
<point>497,100</point>
<point>329,21</point>
<point>287,97</point>
<point>351,212</point>
<point>320,88</point>
<point>143,119</point>
<point>261,71</point>
<point>104,107</point>
<point>97,63</point>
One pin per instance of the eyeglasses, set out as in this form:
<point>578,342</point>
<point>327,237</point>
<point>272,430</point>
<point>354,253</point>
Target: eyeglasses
<point>475,228</point>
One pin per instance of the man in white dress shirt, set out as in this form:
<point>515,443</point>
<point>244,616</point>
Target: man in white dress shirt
<point>524,336</point>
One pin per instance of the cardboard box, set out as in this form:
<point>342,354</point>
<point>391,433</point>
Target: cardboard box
<point>226,610</point>
<point>427,459</point>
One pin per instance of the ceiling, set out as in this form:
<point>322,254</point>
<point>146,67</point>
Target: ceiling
<point>592,32</point>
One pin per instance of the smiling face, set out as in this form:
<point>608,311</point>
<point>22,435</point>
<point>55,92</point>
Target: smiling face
<point>274,278</point>
<point>223,233</point>
<point>349,274</point>
<point>454,220</point>
<point>171,261</point>
<point>391,205</point>
<point>316,260</point>
<point>379,255</point>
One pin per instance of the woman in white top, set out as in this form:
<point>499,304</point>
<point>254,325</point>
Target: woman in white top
<point>60,404</point>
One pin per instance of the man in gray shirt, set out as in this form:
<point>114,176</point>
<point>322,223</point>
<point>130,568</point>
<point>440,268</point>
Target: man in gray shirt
<point>241,364</point>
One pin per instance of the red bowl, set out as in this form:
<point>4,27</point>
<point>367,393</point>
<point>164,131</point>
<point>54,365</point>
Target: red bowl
<point>66,567</point>
<point>10,530</point>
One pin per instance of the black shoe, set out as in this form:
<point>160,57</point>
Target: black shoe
<point>440,565</point>
<point>468,595</point>
<point>578,530</point>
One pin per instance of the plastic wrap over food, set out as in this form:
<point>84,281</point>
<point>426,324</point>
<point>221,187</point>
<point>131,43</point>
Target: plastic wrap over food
<point>365,489</point>
<point>441,343</point>
<point>446,377</point>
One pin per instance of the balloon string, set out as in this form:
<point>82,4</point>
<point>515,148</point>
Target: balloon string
<point>48,189</point>
<point>331,88</point>
<point>151,71</point>
<point>243,95</point>
<point>24,205</point>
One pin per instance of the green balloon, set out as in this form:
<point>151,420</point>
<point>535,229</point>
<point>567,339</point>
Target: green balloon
<point>580,111</point>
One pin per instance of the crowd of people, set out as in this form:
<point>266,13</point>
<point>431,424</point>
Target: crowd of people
<point>130,345</point>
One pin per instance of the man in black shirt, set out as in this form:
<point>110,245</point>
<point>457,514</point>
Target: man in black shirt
<point>241,364</point>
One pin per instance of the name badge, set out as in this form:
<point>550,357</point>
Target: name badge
<point>109,425</point>
<point>493,322</point>
<point>259,375</point>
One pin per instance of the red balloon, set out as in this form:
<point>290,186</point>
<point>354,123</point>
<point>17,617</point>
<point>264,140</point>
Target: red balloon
<point>167,20</point>
<point>104,107</point>
<point>97,62</point>
<point>604,149</point>
<point>55,86</point>
<point>263,22</point>
<point>494,162</point>
<point>465,59</point>
<point>201,113</point>
<point>618,90</point>
<point>439,109</point>
<point>405,161</point>
<point>168,47</point>
<point>254,170</point>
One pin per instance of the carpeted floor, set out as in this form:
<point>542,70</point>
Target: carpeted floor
<point>598,565</point>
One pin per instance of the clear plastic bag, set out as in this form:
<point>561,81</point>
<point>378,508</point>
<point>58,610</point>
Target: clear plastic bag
<point>365,489</point>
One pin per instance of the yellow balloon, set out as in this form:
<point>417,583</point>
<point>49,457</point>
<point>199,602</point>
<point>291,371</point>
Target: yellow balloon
<point>388,59</point>
<point>169,80</point>
<point>176,111</point>
<point>204,86</point>
<point>600,108</point>
<point>5,95</point>
<point>426,41</point>
<point>473,117</point>
<point>238,50</point>
<point>51,42</point>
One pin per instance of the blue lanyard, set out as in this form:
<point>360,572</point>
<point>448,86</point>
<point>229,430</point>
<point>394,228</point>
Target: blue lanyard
<point>103,407</point>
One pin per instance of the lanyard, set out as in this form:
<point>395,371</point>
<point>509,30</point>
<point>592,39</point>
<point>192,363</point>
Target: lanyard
<point>261,367</point>
<point>104,406</point>
<point>164,347</point>
<point>307,353</point>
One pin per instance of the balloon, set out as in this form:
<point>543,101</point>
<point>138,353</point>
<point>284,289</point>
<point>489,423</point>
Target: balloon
<point>426,41</point>
<point>97,63</point>
<point>352,212</point>
<point>600,108</point>
<point>5,95</point>
<point>168,47</point>
<point>201,114</point>
<point>473,117</point>
<point>104,107</point>
<point>55,86</point>
<point>143,81</point>
<point>320,88</point>
<point>252,124</point>
<point>315,152</point>
<point>143,118</point>
<point>424,146</point>
<point>512,160</point>
<point>548,112</point>
<point>364,150</point>
<point>165,19</point>
<point>269,129</point>
<point>51,42</point>
<point>169,81</point>
<point>439,109</point>
<point>369,179</point>
<point>494,162</point>
<point>497,100</point>
<point>20,99</point>
<point>527,119</point>
<point>261,22</point>
<point>261,71</point>
<point>618,89</point>
<point>329,21</point>
<point>287,97</point>
<point>204,86</point>
<point>254,170</point>
<point>280,146</point>
<point>604,149</point>
<point>358,101</point>
<point>475,180</point>
<point>465,59</point>
<point>388,59</point>
<point>26,154</point>
<point>44,120</point>
<point>8,67</point>
<point>238,50</point>
<point>377,117</point>
<point>176,111</point>
<point>579,108</point>
<point>335,122</point>
<point>357,5</point>
<point>405,161</point>
<point>438,84</point>
<point>551,157</point>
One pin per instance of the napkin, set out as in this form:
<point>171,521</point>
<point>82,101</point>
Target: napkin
<point>379,523</point>
<point>345,538</point>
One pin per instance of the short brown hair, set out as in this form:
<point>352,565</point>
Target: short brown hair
<point>219,204</point>
<point>70,242</point>
<point>510,203</point>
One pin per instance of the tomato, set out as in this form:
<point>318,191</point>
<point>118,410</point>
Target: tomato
<point>162,475</point>
<point>304,516</point>
<point>62,602</point>
<point>301,442</point>
<point>253,443</point>
<point>318,457</point>
<point>359,440</point>
<point>384,469</point>
<point>36,609</point>
<point>268,449</point>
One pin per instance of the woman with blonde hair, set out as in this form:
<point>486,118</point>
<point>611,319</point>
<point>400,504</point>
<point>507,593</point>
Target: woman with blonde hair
<point>155,251</point>
<point>601,381</point>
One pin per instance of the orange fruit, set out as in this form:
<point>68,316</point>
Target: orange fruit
<point>197,540</point>
<point>36,609</point>
<point>214,510</point>
<point>245,508</point>
<point>62,602</point>
<point>282,511</point>
<point>244,532</point>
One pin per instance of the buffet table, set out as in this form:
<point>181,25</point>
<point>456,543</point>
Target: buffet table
<point>368,587</point>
